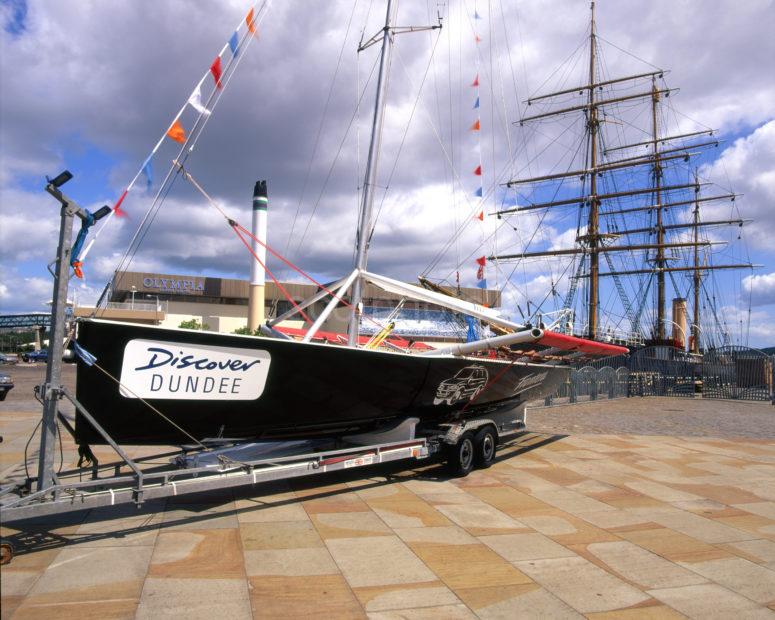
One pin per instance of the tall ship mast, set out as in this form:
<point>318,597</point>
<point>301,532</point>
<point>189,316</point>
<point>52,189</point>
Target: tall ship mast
<point>638,204</point>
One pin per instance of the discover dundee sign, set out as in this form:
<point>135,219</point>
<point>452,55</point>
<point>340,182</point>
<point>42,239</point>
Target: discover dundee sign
<point>180,371</point>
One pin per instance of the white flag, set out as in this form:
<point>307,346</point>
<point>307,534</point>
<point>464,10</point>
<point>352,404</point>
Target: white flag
<point>195,101</point>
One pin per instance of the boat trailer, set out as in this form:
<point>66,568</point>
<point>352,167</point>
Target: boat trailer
<point>464,445</point>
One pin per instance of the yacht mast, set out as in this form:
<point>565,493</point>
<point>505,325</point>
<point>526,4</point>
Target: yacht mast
<point>369,183</point>
<point>365,223</point>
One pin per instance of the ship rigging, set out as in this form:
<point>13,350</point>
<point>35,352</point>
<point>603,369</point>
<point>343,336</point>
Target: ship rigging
<point>607,190</point>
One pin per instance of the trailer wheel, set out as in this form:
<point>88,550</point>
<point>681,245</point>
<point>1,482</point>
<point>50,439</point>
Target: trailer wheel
<point>460,457</point>
<point>485,445</point>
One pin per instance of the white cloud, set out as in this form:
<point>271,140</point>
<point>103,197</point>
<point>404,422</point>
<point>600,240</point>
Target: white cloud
<point>747,166</point>
<point>761,288</point>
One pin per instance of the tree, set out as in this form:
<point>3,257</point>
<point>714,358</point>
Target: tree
<point>193,324</point>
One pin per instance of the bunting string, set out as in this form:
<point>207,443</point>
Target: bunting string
<point>476,127</point>
<point>246,30</point>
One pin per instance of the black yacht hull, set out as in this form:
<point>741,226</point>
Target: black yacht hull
<point>212,384</point>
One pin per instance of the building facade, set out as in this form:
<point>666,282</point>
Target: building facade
<point>221,304</point>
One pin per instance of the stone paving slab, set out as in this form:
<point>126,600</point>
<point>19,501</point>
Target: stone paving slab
<point>597,526</point>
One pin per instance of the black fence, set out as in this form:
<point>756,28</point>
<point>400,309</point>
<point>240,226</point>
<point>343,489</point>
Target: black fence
<point>727,373</point>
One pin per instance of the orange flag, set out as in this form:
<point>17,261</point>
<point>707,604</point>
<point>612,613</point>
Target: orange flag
<point>176,132</point>
<point>251,22</point>
<point>480,216</point>
<point>476,126</point>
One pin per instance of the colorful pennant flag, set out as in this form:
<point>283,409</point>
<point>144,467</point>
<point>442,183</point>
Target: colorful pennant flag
<point>86,357</point>
<point>477,38</point>
<point>476,15</point>
<point>117,207</point>
<point>234,44</point>
<point>476,105</point>
<point>148,171</point>
<point>476,81</point>
<point>215,69</point>
<point>195,101</point>
<point>482,284</point>
<point>481,261</point>
<point>476,126</point>
<point>176,132</point>
<point>478,171</point>
<point>471,335</point>
<point>250,20</point>
<point>478,193</point>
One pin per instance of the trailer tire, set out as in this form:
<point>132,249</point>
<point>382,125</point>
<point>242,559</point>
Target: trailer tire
<point>461,456</point>
<point>485,446</point>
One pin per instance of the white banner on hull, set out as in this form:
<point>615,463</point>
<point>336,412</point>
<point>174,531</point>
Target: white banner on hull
<point>182,371</point>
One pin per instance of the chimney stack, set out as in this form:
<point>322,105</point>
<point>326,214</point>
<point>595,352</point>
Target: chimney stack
<point>257,274</point>
<point>679,322</point>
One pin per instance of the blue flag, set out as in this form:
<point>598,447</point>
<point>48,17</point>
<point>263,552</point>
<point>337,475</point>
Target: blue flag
<point>86,357</point>
<point>234,43</point>
<point>148,171</point>
<point>476,15</point>
<point>482,284</point>
<point>478,192</point>
<point>472,333</point>
<point>476,105</point>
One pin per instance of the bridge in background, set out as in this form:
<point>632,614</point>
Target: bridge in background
<point>32,320</point>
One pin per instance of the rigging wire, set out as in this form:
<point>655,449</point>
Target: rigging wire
<point>185,150</point>
<point>320,127</point>
<point>334,161</point>
<point>386,187</point>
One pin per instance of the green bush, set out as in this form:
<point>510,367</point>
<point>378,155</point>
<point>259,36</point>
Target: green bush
<point>193,324</point>
<point>245,331</point>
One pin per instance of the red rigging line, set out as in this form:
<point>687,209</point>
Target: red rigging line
<point>238,228</point>
<point>271,275</point>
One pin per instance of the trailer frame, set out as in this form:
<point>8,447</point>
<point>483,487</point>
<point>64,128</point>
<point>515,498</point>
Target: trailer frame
<point>138,484</point>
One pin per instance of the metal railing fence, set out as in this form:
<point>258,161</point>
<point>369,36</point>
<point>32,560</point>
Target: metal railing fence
<point>725,373</point>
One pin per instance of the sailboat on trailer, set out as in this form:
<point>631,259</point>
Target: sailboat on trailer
<point>153,385</point>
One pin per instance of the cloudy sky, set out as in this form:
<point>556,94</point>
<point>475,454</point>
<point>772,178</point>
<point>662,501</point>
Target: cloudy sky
<point>91,86</point>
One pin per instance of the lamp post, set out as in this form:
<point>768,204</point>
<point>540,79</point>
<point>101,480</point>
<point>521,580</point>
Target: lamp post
<point>51,391</point>
<point>158,303</point>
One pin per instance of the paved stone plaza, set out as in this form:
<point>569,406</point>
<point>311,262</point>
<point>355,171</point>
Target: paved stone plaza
<point>586,525</point>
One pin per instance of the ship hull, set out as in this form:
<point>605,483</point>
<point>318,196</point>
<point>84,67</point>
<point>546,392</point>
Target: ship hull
<point>242,387</point>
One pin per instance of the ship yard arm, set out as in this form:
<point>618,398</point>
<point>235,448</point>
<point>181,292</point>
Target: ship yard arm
<point>602,248</point>
<point>597,197</point>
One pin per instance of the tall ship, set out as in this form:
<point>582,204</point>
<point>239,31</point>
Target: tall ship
<point>646,238</point>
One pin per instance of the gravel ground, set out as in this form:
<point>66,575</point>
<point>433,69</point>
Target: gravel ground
<point>637,416</point>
